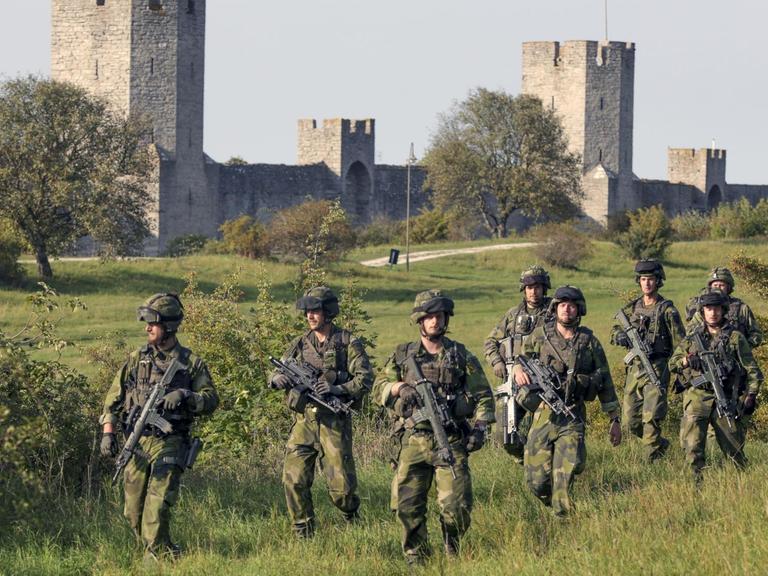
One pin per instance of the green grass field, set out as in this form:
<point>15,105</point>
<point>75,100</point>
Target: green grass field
<point>630,518</point>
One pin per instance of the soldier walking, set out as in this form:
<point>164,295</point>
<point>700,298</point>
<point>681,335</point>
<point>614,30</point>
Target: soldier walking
<point>318,434</point>
<point>510,334</point>
<point>660,329</point>
<point>153,474</point>
<point>458,383</point>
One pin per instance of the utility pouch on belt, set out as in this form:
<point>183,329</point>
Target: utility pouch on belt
<point>297,399</point>
<point>192,451</point>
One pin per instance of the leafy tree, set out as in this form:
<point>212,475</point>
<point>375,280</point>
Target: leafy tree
<point>649,234</point>
<point>236,161</point>
<point>69,167</point>
<point>244,236</point>
<point>495,154</point>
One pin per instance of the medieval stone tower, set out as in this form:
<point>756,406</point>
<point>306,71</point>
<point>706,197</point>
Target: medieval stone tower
<point>147,57</point>
<point>347,148</point>
<point>704,169</point>
<point>591,87</point>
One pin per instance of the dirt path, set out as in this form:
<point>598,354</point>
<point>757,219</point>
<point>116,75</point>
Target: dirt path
<point>430,254</point>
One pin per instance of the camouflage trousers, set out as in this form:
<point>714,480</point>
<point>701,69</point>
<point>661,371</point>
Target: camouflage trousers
<point>152,488</point>
<point>516,445</point>
<point>699,411</point>
<point>416,468</point>
<point>554,454</point>
<point>645,407</point>
<point>320,436</point>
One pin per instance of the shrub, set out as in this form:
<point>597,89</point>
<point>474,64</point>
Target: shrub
<point>244,236</point>
<point>561,244</point>
<point>11,247</point>
<point>381,231</point>
<point>739,220</point>
<point>430,226</point>
<point>691,225</point>
<point>649,234</point>
<point>186,245</point>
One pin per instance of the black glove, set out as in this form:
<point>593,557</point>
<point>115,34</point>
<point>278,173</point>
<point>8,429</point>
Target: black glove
<point>324,387</point>
<point>108,446</point>
<point>279,382</point>
<point>409,396</point>
<point>622,339</point>
<point>476,438</point>
<point>694,361</point>
<point>750,403</point>
<point>500,370</point>
<point>174,399</point>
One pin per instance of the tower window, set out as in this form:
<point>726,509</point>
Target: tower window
<point>151,66</point>
<point>552,104</point>
<point>601,103</point>
<point>96,71</point>
<point>100,2</point>
<point>190,6</point>
<point>155,4</point>
<point>600,154</point>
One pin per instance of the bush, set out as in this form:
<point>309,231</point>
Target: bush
<point>382,231</point>
<point>561,244</point>
<point>11,247</point>
<point>649,234</point>
<point>430,226</point>
<point>739,220</point>
<point>186,245</point>
<point>244,236</point>
<point>317,230</point>
<point>691,225</point>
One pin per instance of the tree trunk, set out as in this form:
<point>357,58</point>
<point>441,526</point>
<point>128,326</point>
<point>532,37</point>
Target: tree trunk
<point>43,266</point>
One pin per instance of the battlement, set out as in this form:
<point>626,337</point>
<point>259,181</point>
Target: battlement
<point>339,126</point>
<point>575,52</point>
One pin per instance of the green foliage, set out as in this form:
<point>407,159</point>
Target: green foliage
<point>649,234</point>
<point>71,168</point>
<point>382,231</point>
<point>561,244</point>
<point>430,226</point>
<point>11,247</point>
<point>494,155</point>
<point>691,225</point>
<point>236,161</point>
<point>739,220</point>
<point>244,236</point>
<point>186,245</point>
<point>47,416</point>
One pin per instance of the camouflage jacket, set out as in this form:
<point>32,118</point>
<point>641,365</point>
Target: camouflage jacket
<point>732,351</point>
<point>739,314</point>
<point>455,372</point>
<point>659,325</point>
<point>518,323</point>
<point>583,356</point>
<point>143,369</point>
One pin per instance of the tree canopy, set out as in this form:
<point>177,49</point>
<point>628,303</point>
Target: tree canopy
<point>69,168</point>
<point>495,154</point>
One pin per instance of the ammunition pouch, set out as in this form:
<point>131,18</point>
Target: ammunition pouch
<point>297,399</point>
<point>528,399</point>
<point>463,406</point>
<point>588,386</point>
<point>192,451</point>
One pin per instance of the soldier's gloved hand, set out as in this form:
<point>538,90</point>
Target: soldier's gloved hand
<point>279,382</point>
<point>476,437</point>
<point>750,404</point>
<point>694,361</point>
<point>174,399</point>
<point>323,387</point>
<point>622,339</point>
<point>614,433</point>
<point>108,447</point>
<point>500,370</point>
<point>409,396</point>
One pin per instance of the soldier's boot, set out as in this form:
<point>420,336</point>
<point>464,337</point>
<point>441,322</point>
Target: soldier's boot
<point>172,552</point>
<point>351,518</point>
<point>304,530</point>
<point>660,451</point>
<point>450,543</point>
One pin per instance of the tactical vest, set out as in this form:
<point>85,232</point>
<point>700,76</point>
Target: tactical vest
<point>332,360</point>
<point>149,370</point>
<point>726,358</point>
<point>522,325</point>
<point>652,327</point>
<point>569,361</point>
<point>733,316</point>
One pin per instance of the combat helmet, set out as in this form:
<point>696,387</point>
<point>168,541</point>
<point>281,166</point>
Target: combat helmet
<point>163,308</point>
<point>724,275</point>
<point>431,302</point>
<point>650,268</point>
<point>319,297</point>
<point>569,294</point>
<point>535,275</point>
<point>713,298</point>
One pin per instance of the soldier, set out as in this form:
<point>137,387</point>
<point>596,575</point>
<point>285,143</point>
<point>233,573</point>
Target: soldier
<point>739,375</point>
<point>457,380</point>
<point>153,474</point>
<point>555,451</point>
<point>658,324</point>
<point>517,324</point>
<point>739,313</point>
<point>316,431</point>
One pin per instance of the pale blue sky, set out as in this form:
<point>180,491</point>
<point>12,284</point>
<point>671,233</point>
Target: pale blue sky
<point>700,68</point>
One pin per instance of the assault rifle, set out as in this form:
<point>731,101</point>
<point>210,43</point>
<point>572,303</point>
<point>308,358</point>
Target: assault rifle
<point>639,349</point>
<point>304,376</point>
<point>435,410</point>
<point>506,395</point>
<point>148,416</point>
<point>545,382</point>
<point>713,374</point>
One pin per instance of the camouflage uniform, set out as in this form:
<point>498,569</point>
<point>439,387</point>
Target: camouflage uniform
<point>555,451</point>
<point>734,353</point>
<point>645,405</point>
<point>152,478</point>
<point>517,325</point>
<point>319,432</point>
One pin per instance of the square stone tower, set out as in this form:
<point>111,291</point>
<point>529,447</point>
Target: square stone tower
<point>147,57</point>
<point>591,86</point>
<point>704,169</point>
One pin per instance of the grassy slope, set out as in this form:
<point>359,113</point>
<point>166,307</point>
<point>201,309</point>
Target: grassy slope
<point>630,518</point>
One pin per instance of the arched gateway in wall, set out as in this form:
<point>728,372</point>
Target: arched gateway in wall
<point>356,198</point>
